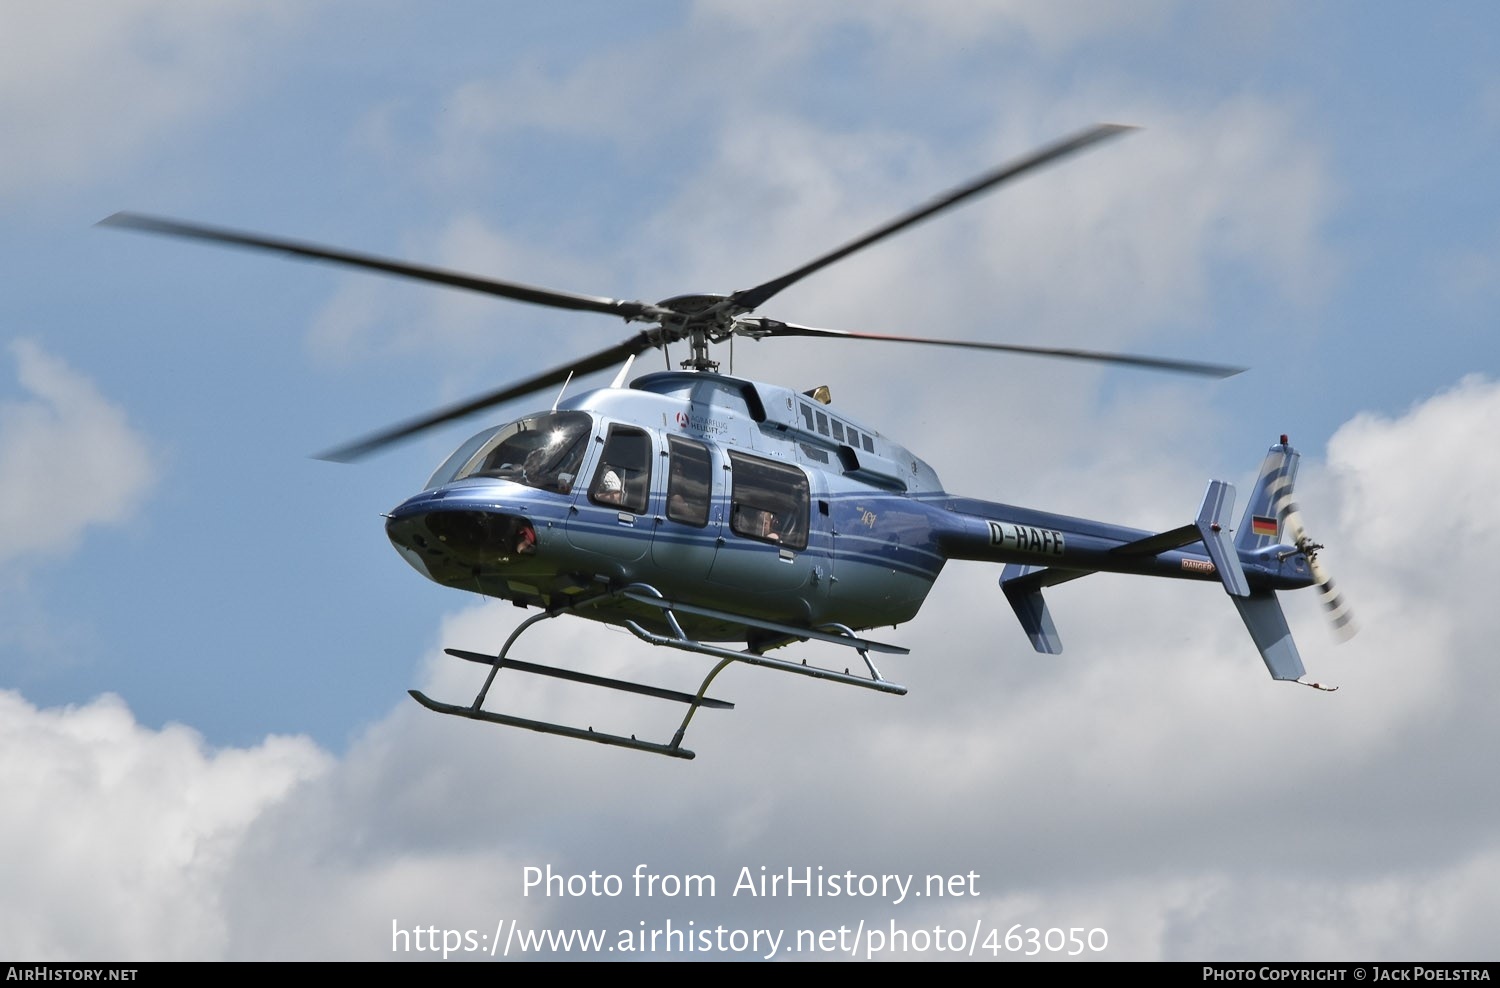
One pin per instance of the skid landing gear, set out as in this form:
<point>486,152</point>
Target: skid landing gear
<point>649,596</point>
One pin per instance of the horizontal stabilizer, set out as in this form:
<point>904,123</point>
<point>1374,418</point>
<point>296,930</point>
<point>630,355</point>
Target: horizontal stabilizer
<point>1155,545</point>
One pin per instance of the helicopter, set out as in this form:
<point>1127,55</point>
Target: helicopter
<point>731,518</point>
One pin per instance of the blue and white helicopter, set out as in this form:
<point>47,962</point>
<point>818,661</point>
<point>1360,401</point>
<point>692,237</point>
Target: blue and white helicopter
<point>731,518</point>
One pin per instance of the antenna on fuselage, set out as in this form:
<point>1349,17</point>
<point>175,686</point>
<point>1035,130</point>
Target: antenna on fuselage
<point>619,381</point>
<point>560,392</point>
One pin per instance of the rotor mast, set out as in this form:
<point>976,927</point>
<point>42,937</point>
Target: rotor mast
<point>701,320</point>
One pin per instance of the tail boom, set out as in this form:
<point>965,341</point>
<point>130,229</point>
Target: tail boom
<point>1040,550</point>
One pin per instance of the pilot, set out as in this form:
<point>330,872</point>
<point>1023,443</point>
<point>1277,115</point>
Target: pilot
<point>533,471</point>
<point>610,490</point>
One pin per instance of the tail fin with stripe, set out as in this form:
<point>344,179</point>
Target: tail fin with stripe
<point>1270,500</point>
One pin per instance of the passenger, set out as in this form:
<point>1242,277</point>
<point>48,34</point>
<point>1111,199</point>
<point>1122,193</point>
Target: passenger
<point>610,490</point>
<point>526,541</point>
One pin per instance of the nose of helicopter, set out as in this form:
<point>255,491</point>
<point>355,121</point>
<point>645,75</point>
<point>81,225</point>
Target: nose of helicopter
<point>442,539</point>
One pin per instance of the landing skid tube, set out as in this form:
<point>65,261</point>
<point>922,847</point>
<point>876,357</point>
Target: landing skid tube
<point>648,595</point>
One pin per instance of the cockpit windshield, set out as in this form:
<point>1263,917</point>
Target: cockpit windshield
<point>542,451</point>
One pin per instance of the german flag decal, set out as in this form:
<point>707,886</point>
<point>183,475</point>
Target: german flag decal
<point>1261,525</point>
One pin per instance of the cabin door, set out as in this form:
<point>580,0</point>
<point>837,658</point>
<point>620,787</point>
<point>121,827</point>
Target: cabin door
<point>690,515</point>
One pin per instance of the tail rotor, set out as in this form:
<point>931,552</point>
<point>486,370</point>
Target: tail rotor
<point>1339,614</point>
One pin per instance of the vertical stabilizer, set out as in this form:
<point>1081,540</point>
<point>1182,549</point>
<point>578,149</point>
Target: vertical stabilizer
<point>1262,614</point>
<point>1023,588</point>
<point>1270,500</point>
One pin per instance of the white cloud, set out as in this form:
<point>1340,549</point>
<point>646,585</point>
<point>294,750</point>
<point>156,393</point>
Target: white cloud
<point>937,26</point>
<point>1151,781</point>
<point>1115,249</point>
<point>1421,486</point>
<point>368,315</point>
<point>1138,229</point>
<point>83,84</point>
<point>1101,251</point>
<point>118,838</point>
<point>68,459</point>
<point>635,95</point>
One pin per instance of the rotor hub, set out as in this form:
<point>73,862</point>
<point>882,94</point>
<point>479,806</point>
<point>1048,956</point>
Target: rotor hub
<point>701,320</point>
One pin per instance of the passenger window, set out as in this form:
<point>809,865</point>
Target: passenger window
<point>624,475</point>
<point>689,482</point>
<point>769,501</point>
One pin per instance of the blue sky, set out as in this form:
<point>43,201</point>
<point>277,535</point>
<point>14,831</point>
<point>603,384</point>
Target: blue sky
<point>205,639</point>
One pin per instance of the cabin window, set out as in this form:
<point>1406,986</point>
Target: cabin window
<point>823,423</point>
<point>623,478</point>
<point>868,443</point>
<point>813,453</point>
<point>769,501</point>
<point>689,482</point>
<point>542,451</point>
<point>807,417</point>
<point>838,431</point>
<point>460,458</point>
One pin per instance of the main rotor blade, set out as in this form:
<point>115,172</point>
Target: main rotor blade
<point>400,269</point>
<point>771,327</point>
<point>753,298</point>
<point>598,361</point>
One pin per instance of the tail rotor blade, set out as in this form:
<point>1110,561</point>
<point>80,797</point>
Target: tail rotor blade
<point>1340,616</point>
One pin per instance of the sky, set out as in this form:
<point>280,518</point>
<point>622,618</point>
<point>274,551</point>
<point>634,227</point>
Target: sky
<point>205,638</point>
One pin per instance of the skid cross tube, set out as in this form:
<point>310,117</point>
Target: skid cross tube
<point>645,594</point>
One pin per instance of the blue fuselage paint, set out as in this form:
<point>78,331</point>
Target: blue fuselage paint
<point>879,526</point>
